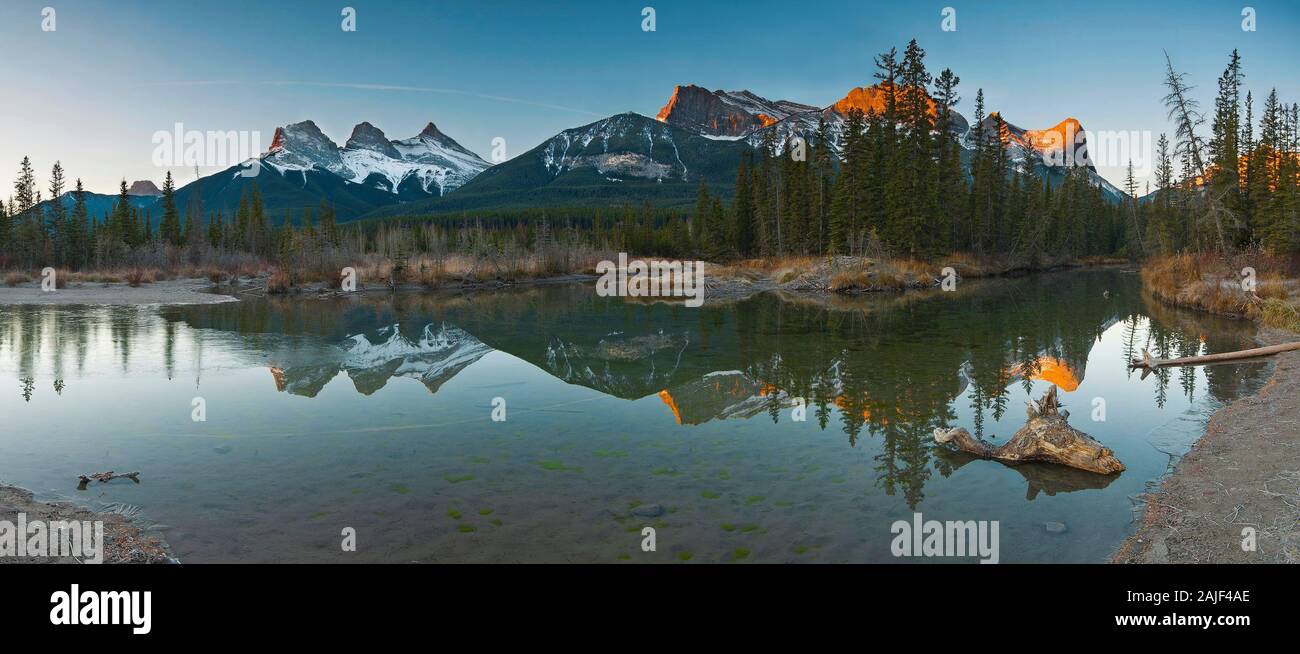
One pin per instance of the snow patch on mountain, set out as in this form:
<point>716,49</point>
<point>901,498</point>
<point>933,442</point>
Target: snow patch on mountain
<point>623,145</point>
<point>435,162</point>
<point>438,355</point>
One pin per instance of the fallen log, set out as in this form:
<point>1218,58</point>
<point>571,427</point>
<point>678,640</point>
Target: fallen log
<point>1151,363</point>
<point>1046,437</point>
<point>105,477</point>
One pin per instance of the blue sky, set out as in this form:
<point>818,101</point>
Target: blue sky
<point>93,92</point>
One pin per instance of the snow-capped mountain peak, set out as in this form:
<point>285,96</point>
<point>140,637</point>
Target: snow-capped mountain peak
<point>430,163</point>
<point>302,146</point>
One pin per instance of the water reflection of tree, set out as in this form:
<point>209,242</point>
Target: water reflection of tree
<point>894,369</point>
<point>43,342</point>
<point>1168,333</point>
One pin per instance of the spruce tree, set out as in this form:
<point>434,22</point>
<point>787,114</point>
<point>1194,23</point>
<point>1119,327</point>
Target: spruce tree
<point>744,211</point>
<point>700,221</point>
<point>80,242</point>
<point>169,230</point>
<point>56,216</point>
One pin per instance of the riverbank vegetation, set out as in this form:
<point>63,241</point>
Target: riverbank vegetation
<point>1269,294</point>
<point>1225,236</point>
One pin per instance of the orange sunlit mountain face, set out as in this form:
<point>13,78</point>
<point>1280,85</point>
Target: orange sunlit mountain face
<point>872,99</point>
<point>1052,139</point>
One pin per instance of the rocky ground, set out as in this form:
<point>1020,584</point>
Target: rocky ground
<point>123,540</point>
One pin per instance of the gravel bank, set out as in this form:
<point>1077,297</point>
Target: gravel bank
<point>177,291</point>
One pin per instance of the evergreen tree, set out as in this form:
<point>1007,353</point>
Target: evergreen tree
<point>950,179</point>
<point>744,212</point>
<point>79,242</point>
<point>169,230</point>
<point>700,220</point>
<point>4,229</point>
<point>56,216</point>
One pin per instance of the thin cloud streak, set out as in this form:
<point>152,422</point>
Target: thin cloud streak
<point>375,87</point>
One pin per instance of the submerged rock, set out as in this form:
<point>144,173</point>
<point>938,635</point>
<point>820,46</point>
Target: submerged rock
<point>648,511</point>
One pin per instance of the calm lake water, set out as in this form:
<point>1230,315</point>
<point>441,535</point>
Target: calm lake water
<point>376,413</point>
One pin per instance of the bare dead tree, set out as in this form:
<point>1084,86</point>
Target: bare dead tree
<point>1185,111</point>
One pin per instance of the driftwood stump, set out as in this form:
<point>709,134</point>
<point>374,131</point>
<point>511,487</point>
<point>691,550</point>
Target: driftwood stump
<point>1046,437</point>
<point>105,477</point>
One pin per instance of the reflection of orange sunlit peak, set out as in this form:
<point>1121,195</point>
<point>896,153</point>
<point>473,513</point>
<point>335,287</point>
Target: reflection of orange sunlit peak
<point>672,404</point>
<point>278,374</point>
<point>842,403</point>
<point>1053,371</point>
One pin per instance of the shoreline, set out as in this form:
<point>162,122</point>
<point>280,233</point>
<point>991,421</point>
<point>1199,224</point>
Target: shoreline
<point>124,541</point>
<point>732,285</point>
<point>1243,472</point>
<point>174,291</point>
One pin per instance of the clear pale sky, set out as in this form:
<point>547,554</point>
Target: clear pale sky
<point>93,92</point>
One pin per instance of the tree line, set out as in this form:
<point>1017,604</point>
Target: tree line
<point>37,233</point>
<point>1232,189</point>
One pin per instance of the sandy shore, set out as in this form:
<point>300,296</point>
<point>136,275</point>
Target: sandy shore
<point>178,291</point>
<point>123,540</point>
<point>1244,473</point>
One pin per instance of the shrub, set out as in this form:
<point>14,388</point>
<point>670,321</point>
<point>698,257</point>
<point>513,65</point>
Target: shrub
<point>138,276</point>
<point>278,283</point>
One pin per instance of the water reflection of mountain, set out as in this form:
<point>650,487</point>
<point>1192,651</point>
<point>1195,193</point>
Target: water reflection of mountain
<point>432,359</point>
<point>890,368</point>
<point>730,361</point>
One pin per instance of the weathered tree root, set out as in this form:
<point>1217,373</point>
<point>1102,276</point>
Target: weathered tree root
<point>105,477</point>
<point>1046,437</point>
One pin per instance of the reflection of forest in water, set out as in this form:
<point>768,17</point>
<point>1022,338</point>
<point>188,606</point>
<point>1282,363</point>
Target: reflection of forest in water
<point>895,367</point>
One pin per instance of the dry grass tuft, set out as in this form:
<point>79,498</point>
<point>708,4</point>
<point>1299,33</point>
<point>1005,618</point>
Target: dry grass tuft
<point>138,276</point>
<point>1214,284</point>
<point>278,283</point>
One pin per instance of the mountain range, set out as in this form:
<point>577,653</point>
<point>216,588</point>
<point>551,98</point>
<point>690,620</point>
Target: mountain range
<point>624,159</point>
